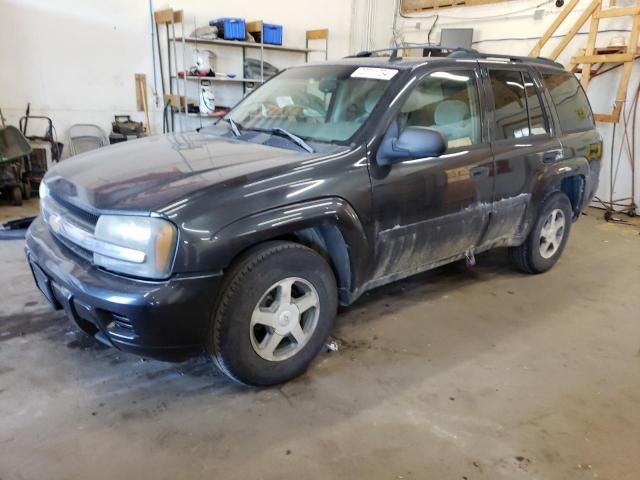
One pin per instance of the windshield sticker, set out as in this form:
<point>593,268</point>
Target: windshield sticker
<point>374,73</point>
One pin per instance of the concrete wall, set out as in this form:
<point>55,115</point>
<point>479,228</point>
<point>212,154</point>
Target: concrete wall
<point>75,60</point>
<point>513,28</point>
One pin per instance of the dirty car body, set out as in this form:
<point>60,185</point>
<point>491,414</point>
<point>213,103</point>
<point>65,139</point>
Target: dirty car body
<point>374,209</point>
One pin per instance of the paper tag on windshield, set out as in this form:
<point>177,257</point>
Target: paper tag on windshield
<point>374,73</point>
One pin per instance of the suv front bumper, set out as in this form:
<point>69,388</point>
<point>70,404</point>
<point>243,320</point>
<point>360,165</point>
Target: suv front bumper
<point>166,320</point>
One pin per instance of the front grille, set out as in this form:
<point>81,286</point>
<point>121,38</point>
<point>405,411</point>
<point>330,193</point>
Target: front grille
<point>78,250</point>
<point>76,213</point>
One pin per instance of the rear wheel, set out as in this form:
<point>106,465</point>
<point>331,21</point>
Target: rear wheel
<point>547,238</point>
<point>274,315</point>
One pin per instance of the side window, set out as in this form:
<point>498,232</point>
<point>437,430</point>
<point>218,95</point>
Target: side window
<point>537,119</point>
<point>572,105</point>
<point>511,118</point>
<point>448,102</point>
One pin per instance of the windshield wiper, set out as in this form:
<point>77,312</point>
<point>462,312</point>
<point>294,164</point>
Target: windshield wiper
<point>294,138</point>
<point>235,128</point>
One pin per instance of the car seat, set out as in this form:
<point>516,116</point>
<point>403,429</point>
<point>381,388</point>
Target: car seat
<point>451,118</point>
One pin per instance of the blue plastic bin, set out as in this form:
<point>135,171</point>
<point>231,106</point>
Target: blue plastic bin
<point>230,28</point>
<point>272,33</point>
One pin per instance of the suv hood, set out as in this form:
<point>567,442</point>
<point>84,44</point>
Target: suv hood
<point>147,174</point>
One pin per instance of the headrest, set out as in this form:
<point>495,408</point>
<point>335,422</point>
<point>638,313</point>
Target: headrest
<point>450,111</point>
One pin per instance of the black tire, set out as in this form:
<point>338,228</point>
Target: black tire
<point>230,342</point>
<point>16,196</point>
<point>527,257</point>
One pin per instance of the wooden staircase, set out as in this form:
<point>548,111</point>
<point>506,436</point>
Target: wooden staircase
<point>598,60</point>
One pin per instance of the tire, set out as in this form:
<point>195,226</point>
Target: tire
<point>26,190</point>
<point>537,254</point>
<point>253,312</point>
<point>16,196</point>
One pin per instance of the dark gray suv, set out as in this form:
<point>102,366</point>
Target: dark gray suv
<point>240,241</point>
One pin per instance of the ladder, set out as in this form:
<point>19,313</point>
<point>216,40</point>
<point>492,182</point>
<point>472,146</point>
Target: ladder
<point>584,62</point>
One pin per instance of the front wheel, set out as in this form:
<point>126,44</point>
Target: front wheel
<point>274,315</point>
<point>547,238</point>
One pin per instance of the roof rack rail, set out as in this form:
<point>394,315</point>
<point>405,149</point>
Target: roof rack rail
<point>430,50</point>
<point>465,53</point>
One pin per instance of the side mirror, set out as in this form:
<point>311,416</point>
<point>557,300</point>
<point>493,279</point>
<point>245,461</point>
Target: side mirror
<point>413,143</point>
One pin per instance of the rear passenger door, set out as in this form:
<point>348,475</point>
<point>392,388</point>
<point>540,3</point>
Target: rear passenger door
<point>523,145</point>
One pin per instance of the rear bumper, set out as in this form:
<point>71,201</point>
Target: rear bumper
<point>164,320</point>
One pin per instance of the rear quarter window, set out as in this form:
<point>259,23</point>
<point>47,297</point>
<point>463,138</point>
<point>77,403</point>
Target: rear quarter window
<point>572,105</point>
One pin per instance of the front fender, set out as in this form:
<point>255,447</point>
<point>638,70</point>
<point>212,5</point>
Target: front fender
<point>230,241</point>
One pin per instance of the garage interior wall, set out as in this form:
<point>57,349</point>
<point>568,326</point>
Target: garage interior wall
<point>75,61</point>
<point>514,28</point>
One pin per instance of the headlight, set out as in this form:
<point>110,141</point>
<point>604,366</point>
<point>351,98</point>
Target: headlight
<point>138,246</point>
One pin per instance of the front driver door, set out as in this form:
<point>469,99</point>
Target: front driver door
<point>430,210</point>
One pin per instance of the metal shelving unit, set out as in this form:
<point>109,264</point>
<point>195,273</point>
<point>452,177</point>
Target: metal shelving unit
<point>221,79</point>
<point>178,96</point>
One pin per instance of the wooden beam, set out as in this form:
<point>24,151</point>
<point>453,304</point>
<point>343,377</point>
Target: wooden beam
<point>604,117</point>
<point>606,58</point>
<point>618,12</point>
<point>412,6</point>
<point>572,33</point>
<point>591,45</point>
<point>535,52</point>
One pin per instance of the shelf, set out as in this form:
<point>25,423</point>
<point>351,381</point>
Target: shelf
<point>221,79</point>
<point>238,43</point>
<point>200,115</point>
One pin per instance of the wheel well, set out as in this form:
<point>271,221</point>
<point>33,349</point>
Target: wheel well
<point>329,242</point>
<point>573,187</point>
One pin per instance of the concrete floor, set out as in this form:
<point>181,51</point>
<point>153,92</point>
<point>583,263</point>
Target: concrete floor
<point>457,374</point>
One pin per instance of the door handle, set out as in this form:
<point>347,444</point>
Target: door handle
<point>480,171</point>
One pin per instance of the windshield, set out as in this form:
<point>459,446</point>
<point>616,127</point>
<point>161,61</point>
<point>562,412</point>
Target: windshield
<point>320,103</point>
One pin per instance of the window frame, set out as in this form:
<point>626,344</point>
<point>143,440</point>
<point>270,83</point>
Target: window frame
<point>521,69</point>
<point>482,105</point>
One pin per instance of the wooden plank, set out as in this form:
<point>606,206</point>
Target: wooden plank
<point>321,34</point>
<point>618,12</point>
<point>412,6</point>
<point>604,117</point>
<point>140,79</point>
<point>591,45</point>
<point>168,15</point>
<point>572,33</point>
<point>535,52</point>
<point>621,97</point>
<point>612,58</point>
<point>163,16</point>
